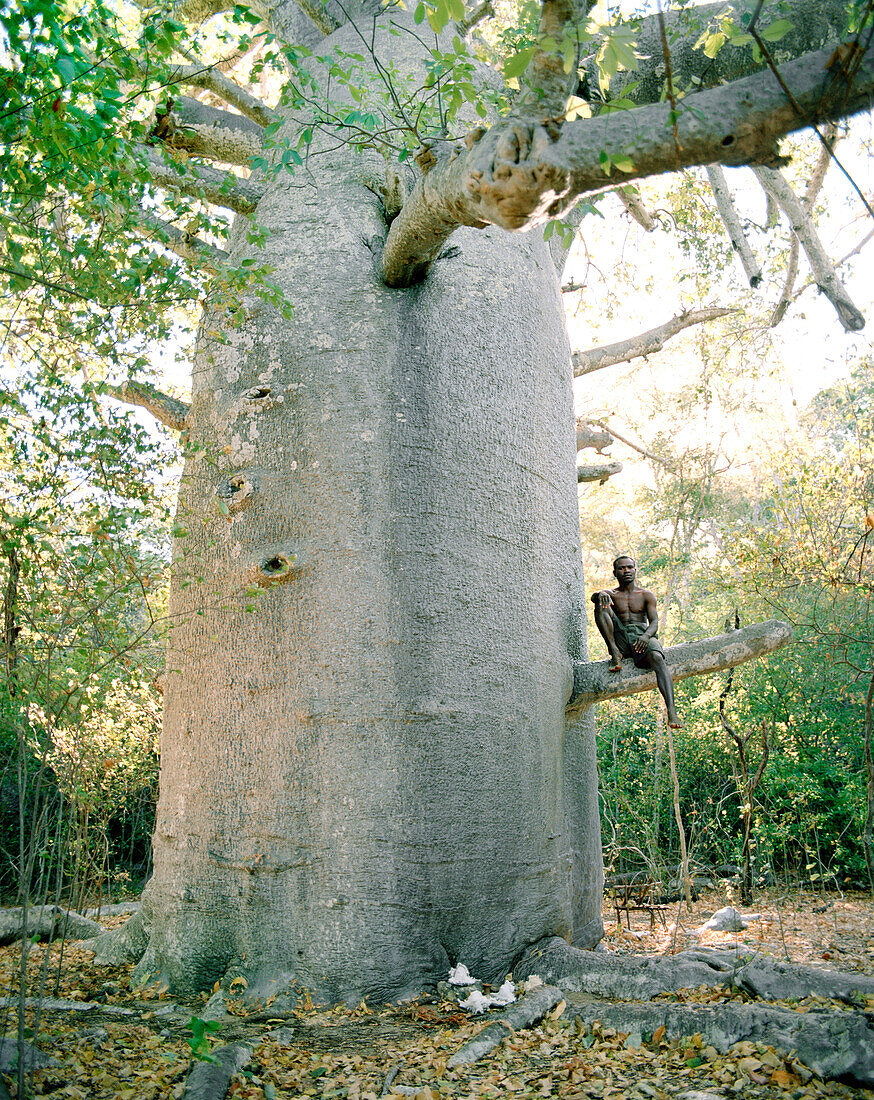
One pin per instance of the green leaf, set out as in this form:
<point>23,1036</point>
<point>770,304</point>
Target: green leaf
<point>419,14</point>
<point>65,69</point>
<point>518,63</point>
<point>623,163</point>
<point>714,44</point>
<point>777,30</point>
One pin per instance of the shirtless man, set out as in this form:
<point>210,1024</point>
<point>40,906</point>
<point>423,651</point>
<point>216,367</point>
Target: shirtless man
<point>628,619</point>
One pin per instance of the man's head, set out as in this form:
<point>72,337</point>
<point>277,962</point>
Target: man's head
<point>624,569</point>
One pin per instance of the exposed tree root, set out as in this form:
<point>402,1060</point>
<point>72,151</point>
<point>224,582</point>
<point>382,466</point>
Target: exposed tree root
<point>834,1043</point>
<point>831,1043</point>
<point>210,1080</point>
<point>525,1012</point>
<point>124,944</point>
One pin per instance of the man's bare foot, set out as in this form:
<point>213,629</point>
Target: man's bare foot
<point>674,722</point>
<point>616,666</point>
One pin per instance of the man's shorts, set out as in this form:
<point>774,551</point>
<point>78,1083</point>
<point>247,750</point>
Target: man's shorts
<point>626,634</point>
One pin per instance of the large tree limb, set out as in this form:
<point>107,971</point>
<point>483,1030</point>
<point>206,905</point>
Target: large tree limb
<point>198,11</point>
<point>171,412</point>
<point>210,185</point>
<point>187,246</point>
<point>590,433</point>
<point>547,82</point>
<point>645,343</point>
<point>731,220</point>
<point>319,15</point>
<point>211,79</point>
<point>598,473</point>
<point>521,173</point>
<point>815,24</point>
<point>593,682</point>
<point>827,279</point>
<point>205,131</point>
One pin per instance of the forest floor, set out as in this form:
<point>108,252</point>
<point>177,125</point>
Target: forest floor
<point>109,1042</point>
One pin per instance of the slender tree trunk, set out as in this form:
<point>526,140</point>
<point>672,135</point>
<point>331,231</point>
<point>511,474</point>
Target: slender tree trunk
<point>10,615</point>
<point>868,829</point>
<point>366,770</point>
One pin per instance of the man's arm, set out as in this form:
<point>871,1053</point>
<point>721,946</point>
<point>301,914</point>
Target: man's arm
<point>652,614</point>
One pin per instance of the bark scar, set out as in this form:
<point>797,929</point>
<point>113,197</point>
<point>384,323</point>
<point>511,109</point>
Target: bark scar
<point>511,177</point>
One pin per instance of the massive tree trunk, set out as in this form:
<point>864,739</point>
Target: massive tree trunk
<point>366,772</point>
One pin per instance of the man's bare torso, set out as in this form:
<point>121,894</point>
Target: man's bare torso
<point>631,605</point>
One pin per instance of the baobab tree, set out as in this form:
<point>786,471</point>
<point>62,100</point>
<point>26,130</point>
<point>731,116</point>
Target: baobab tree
<point>378,754</point>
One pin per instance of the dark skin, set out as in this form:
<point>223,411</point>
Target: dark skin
<point>632,604</point>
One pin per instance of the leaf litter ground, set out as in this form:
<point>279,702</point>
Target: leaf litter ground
<point>130,1046</point>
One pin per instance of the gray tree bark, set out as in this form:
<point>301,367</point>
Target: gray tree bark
<point>346,744</point>
<point>368,770</point>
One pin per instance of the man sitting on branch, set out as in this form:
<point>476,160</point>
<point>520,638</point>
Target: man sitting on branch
<point>627,617</point>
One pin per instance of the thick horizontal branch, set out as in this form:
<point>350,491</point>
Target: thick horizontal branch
<point>208,132</point>
<point>598,473</point>
<point>209,184</point>
<point>187,246</point>
<point>483,11</point>
<point>211,79</point>
<point>827,278</point>
<point>815,25</point>
<point>171,412</point>
<point>733,226</point>
<point>198,11</point>
<point>521,173</point>
<point>592,434</point>
<point>319,15</point>
<point>645,343</point>
<point>593,681</point>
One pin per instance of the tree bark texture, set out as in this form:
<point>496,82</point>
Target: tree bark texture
<point>366,776</point>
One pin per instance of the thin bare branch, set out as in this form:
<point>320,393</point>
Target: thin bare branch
<point>637,447</point>
<point>645,343</point>
<point>169,410</point>
<point>827,279</point>
<point>635,208</point>
<point>779,311</point>
<point>830,134</point>
<point>731,220</point>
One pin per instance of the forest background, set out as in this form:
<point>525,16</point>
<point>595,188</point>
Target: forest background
<point>740,498</point>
